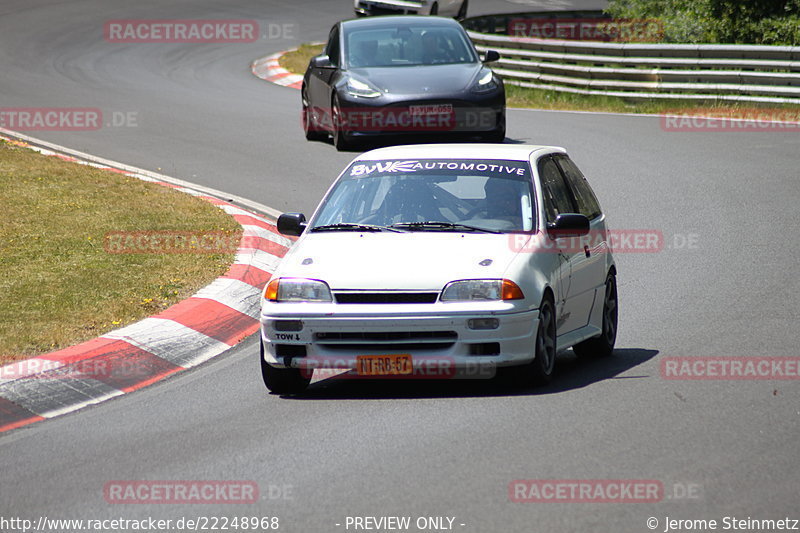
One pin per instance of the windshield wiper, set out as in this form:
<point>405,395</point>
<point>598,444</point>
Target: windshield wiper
<point>346,226</point>
<point>440,226</point>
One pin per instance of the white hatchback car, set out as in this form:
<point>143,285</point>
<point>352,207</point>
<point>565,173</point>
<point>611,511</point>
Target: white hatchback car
<point>458,256</point>
<point>450,8</point>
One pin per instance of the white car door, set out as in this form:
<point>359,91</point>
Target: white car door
<point>557,200</point>
<point>589,268</point>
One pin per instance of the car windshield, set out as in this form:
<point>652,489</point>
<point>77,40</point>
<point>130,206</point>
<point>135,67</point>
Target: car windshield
<point>407,46</point>
<point>431,195</point>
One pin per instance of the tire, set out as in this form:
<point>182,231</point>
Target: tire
<point>498,135</point>
<point>462,13</point>
<point>603,345</point>
<point>310,130</point>
<point>283,380</point>
<point>540,370</point>
<point>340,140</point>
<point>434,9</point>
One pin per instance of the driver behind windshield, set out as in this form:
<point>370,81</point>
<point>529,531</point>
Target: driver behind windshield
<point>502,200</point>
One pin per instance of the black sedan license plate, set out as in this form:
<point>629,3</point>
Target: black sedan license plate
<point>431,109</point>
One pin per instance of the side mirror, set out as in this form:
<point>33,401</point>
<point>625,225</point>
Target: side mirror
<point>292,223</point>
<point>568,225</point>
<point>490,56</point>
<point>321,61</point>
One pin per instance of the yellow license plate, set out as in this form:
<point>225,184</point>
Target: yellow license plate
<point>384,365</point>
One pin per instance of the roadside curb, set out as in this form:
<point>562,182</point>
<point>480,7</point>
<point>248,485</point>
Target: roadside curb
<point>190,332</point>
<point>268,68</point>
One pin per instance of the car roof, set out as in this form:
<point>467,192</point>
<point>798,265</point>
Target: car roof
<point>511,152</point>
<point>394,21</point>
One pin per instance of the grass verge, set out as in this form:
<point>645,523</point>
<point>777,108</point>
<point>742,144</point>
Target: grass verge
<point>297,61</point>
<point>59,284</point>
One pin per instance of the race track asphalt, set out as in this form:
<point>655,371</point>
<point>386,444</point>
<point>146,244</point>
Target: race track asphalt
<point>435,449</point>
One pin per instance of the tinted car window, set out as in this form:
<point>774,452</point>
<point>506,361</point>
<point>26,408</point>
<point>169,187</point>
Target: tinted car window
<point>557,197</point>
<point>584,196</point>
<point>406,46</point>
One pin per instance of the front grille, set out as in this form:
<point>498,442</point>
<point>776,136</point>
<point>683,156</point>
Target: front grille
<point>387,337</point>
<point>290,350</point>
<point>485,348</point>
<point>387,341</point>
<point>386,297</point>
<point>381,348</point>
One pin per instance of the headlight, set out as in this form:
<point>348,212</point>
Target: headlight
<point>359,88</point>
<point>486,83</point>
<point>297,290</point>
<point>481,289</point>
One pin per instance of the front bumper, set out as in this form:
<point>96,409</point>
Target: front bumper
<point>480,113</point>
<point>441,340</point>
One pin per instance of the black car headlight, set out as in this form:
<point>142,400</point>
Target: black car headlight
<point>356,87</point>
<point>486,83</point>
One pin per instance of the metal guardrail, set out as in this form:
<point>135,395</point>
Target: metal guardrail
<point>744,73</point>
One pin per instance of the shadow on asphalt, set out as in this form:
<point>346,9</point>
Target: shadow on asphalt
<point>570,373</point>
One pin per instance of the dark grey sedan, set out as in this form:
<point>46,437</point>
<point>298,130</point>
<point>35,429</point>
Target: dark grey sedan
<point>401,76</point>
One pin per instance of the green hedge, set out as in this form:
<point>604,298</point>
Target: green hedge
<point>718,21</point>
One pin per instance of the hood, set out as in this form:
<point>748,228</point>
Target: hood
<point>396,261</point>
<point>438,79</point>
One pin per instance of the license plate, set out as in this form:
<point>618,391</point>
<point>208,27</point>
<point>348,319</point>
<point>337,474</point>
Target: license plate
<point>432,109</point>
<point>384,365</point>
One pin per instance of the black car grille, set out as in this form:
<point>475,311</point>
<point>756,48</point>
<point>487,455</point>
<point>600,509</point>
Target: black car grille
<point>386,297</point>
<point>383,341</point>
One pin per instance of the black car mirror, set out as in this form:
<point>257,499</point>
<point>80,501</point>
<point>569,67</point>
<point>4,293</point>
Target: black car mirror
<point>568,225</point>
<point>321,61</point>
<point>490,56</point>
<point>292,223</point>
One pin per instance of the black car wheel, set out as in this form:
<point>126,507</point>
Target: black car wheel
<point>340,140</point>
<point>540,370</point>
<point>499,134</point>
<point>283,380</point>
<point>310,128</point>
<point>603,345</point>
